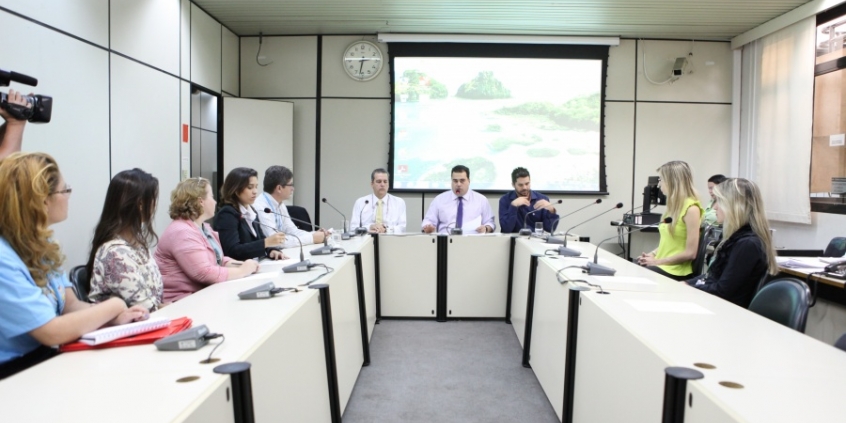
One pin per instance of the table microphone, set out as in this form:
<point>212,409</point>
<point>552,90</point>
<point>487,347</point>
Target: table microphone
<point>618,206</point>
<point>302,257</point>
<point>303,265</point>
<point>265,290</point>
<point>326,249</point>
<point>528,231</point>
<point>594,268</point>
<point>455,231</point>
<point>553,240</point>
<point>361,230</point>
<point>191,339</point>
<point>345,235</point>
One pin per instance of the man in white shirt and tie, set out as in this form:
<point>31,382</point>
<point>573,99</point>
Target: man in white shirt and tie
<point>379,212</point>
<point>279,186</point>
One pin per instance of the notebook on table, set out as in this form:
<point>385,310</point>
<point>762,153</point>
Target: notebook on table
<point>137,334</point>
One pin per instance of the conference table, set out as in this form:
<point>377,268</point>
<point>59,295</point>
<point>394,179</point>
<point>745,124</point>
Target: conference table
<point>600,346</point>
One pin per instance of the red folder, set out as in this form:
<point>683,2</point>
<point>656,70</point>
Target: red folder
<point>176,326</point>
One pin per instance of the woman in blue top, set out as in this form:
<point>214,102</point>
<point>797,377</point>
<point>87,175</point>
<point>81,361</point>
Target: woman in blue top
<point>38,310</point>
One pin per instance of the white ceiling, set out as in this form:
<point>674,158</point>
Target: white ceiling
<point>675,19</point>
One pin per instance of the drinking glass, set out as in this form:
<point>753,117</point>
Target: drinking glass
<point>538,228</point>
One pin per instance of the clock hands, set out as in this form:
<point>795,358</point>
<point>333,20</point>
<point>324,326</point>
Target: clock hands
<point>360,68</point>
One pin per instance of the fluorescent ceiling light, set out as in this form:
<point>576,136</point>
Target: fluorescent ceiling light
<point>496,39</point>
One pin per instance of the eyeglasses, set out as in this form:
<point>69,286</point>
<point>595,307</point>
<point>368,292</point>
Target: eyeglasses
<point>67,190</point>
<point>287,185</point>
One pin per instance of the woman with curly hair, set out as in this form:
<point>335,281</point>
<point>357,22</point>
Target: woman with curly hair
<point>189,253</point>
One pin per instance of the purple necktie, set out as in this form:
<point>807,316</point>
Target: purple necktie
<point>459,217</point>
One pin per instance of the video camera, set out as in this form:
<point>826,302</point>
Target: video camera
<point>42,105</point>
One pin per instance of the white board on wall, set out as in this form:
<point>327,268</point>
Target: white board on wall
<point>257,134</point>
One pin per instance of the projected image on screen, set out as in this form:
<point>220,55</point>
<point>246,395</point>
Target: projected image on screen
<point>493,115</point>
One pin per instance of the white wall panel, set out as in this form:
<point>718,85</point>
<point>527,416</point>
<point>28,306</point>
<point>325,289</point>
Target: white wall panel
<point>293,72</point>
<point>710,81</point>
<point>303,163</point>
<point>256,134</point>
<point>147,31</point>
<point>78,135</point>
<point>231,62</point>
<point>354,141</point>
<point>146,128</point>
<point>205,50</point>
<point>336,82</point>
<point>185,38</point>
<point>87,19</point>
<point>621,71</point>
<point>699,134</point>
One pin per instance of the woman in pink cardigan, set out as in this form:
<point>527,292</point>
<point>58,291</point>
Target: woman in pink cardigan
<point>189,253</point>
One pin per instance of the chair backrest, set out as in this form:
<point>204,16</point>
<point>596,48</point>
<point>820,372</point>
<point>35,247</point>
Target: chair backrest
<point>300,213</point>
<point>836,247</point>
<point>784,301</point>
<point>841,343</point>
<point>79,279</point>
<point>706,237</point>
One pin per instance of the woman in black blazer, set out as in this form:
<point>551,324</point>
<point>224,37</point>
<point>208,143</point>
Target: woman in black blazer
<point>237,221</point>
<point>746,253</point>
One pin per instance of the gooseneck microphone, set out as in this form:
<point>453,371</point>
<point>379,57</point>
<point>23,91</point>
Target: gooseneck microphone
<point>594,268</point>
<point>326,249</point>
<point>303,265</point>
<point>361,230</point>
<point>618,206</point>
<point>528,231</point>
<point>555,223</point>
<point>345,235</point>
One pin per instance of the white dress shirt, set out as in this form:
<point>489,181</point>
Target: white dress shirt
<point>273,223</point>
<point>393,212</point>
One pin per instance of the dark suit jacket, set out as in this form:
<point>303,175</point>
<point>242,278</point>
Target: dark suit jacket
<point>740,264</point>
<point>235,237</point>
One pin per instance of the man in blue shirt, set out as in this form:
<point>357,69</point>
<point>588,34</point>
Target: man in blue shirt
<point>514,206</point>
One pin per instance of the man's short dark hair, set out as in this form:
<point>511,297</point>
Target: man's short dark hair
<point>375,171</point>
<point>717,179</point>
<point>459,169</point>
<point>276,175</point>
<point>520,172</point>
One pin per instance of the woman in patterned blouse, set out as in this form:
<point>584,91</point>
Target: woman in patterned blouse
<point>120,263</point>
<point>189,253</point>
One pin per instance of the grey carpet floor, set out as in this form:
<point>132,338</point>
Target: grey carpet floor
<point>424,371</point>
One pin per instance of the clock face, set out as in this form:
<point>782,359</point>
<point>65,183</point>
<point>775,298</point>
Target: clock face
<point>363,60</point>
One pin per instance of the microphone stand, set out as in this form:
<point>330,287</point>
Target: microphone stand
<point>345,235</point>
<point>594,268</point>
<point>552,239</point>
<point>326,249</point>
<point>361,230</point>
<point>304,265</point>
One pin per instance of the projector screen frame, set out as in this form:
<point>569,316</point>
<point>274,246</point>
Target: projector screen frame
<point>490,50</point>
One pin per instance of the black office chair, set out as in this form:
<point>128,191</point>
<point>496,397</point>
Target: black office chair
<point>707,238</point>
<point>300,213</point>
<point>784,301</point>
<point>836,247</point>
<point>841,343</point>
<point>81,285</point>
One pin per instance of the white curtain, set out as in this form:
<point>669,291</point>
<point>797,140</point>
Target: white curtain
<point>777,101</point>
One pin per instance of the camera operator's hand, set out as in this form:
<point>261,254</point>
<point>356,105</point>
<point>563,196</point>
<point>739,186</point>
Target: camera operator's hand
<point>11,132</point>
<point>14,97</point>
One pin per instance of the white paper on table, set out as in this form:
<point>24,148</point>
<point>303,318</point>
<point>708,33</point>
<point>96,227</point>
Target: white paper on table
<point>625,279</point>
<point>683,307</point>
<point>809,263</point>
<point>269,266</point>
<point>470,226</point>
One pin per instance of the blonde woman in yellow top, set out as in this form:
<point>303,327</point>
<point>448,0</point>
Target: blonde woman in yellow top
<point>678,246</point>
